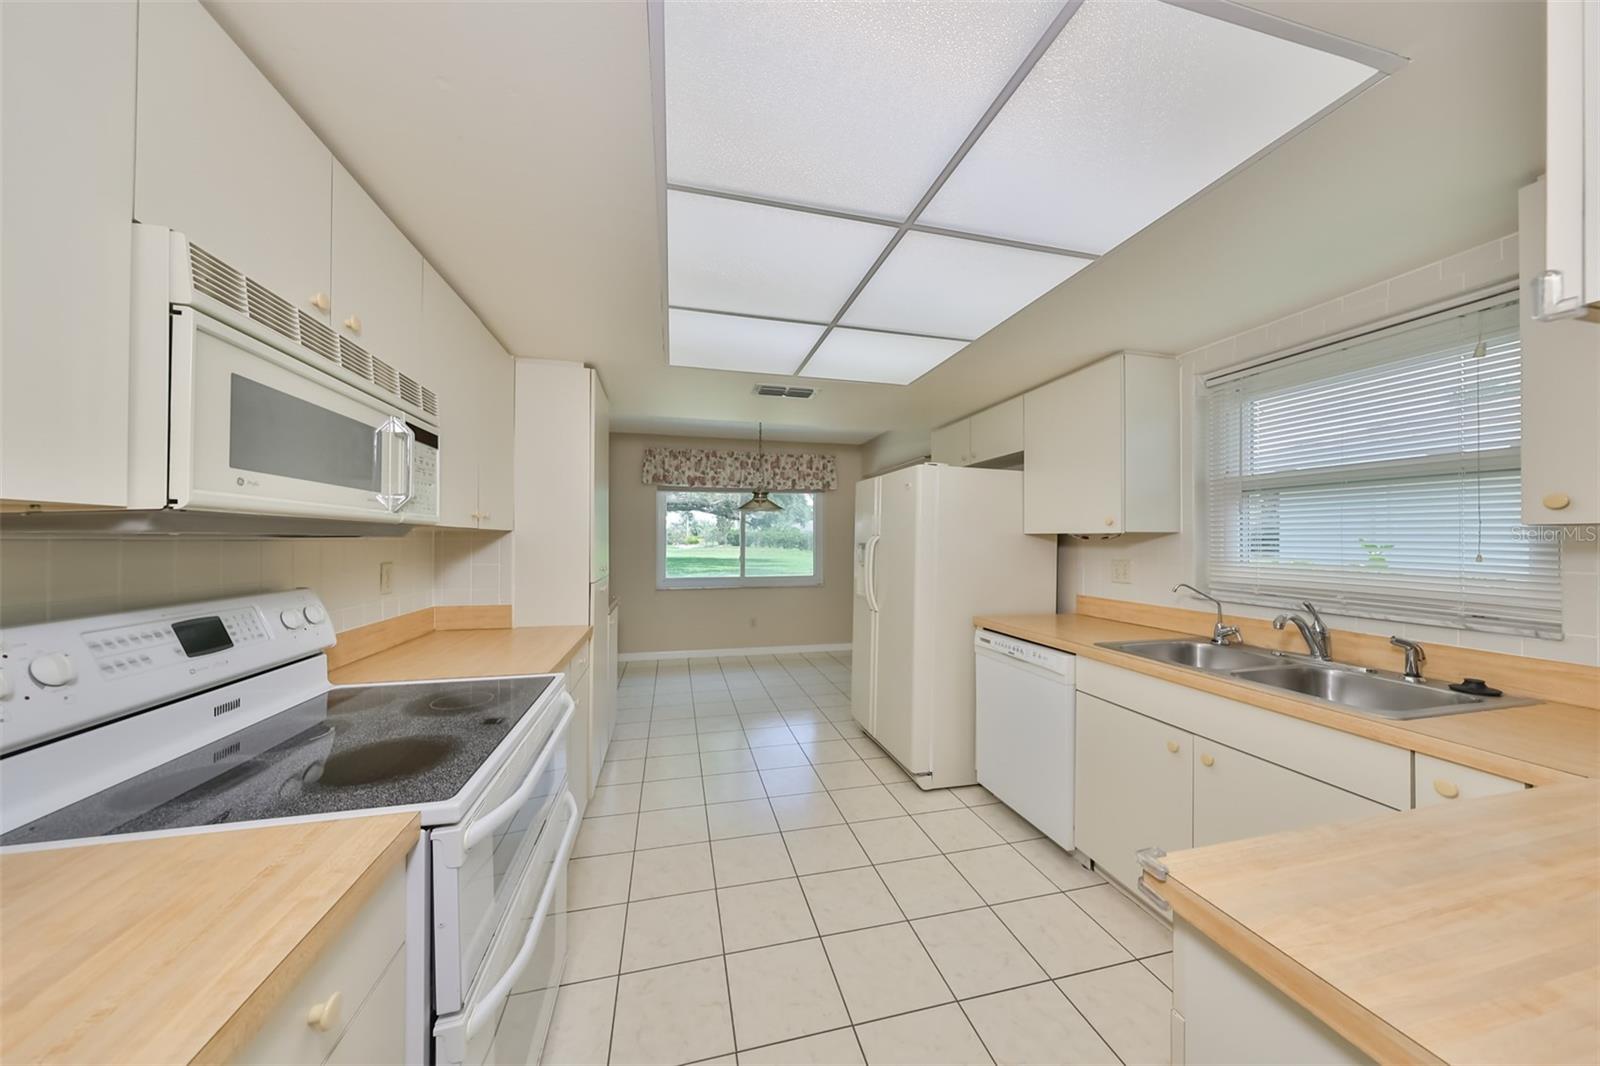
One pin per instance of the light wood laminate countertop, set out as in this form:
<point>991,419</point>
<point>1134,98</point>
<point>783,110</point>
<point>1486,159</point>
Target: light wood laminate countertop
<point>468,653</point>
<point>1539,744</point>
<point>176,949</point>
<point>1459,933</point>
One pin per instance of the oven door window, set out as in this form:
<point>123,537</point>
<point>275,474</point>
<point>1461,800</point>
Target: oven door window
<point>471,898</point>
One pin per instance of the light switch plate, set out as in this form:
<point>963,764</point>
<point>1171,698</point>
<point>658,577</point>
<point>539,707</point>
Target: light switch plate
<point>385,579</point>
<point>1122,571</point>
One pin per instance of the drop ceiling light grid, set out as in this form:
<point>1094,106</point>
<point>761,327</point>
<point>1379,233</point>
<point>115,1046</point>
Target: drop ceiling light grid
<point>771,221</point>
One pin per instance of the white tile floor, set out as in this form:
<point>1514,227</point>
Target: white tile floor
<point>755,881</point>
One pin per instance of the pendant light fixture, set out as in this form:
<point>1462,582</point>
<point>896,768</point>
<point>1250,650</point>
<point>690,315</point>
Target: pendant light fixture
<point>758,501</point>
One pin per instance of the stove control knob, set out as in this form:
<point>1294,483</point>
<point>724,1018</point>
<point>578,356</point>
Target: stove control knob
<point>293,618</point>
<point>315,614</point>
<point>53,670</point>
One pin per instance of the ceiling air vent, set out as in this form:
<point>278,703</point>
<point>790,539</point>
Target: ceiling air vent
<point>317,337</point>
<point>271,310</point>
<point>216,279</point>
<point>786,392</point>
<point>354,358</point>
<point>384,376</point>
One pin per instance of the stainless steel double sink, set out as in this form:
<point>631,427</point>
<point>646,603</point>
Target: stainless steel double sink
<point>1350,688</point>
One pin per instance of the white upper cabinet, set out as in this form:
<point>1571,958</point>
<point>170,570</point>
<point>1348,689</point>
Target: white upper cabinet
<point>600,475</point>
<point>1560,394</point>
<point>66,190</point>
<point>225,160</point>
<point>997,431</point>
<point>377,280</point>
<point>1102,449</point>
<point>952,444</point>
<point>475,381</point>
<point>993,433</point>
<point>1565,278</point>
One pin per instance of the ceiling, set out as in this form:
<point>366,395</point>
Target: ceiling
<point>516,144</point>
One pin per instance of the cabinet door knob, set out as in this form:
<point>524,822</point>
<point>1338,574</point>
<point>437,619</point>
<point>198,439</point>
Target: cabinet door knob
<point>1206,760</point>
<point>1172,746</point>
<point>323,1016</point>
<point>1447,789</point>
<point>321,302</point>
<point>1110,521</point>
<point>353,324</point>
<point>1556,501</point>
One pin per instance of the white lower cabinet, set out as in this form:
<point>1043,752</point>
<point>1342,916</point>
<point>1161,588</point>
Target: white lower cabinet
<point>1224,1013</point>
<point>350,1006</point>
<point>1150,773</point>
<point>1133,786</point>
<point>1238,796</point>
<point>1436,781</point>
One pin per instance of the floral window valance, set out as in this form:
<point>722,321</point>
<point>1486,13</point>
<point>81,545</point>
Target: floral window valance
<point>699,468</point>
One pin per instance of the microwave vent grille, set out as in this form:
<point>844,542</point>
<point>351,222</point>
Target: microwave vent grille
<point>430,402</point>
<point>384,376</point>
<point>354,358</point>
<point>410,391</point>
<point>317,337</point>
<point>271,310</point>
<point>216,279</point>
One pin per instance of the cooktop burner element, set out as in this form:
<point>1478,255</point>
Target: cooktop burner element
<point>464,701</point>
<point>354,748</point>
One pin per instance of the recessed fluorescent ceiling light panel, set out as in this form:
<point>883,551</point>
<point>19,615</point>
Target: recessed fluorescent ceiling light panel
<point>954,287</point>
<point>734,342</point>
<point>811,147</point>
<point>726,255</point>
<point>1134,109</point>
<point>892,358</point>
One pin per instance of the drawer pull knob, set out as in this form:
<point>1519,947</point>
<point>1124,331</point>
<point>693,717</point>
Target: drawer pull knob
<point>323,1016</point>
<point>1172,746</point>
<point>1206,760</point>
<point>1557,501</point>
<point>1447,789</point>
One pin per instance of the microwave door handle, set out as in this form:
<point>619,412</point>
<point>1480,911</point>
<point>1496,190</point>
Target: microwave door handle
<point>489,1006</point>
<point>381,451</point>
<point>410,455</point>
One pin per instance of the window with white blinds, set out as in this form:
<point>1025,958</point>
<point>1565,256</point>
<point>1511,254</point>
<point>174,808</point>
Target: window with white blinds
<point>1380,477</point>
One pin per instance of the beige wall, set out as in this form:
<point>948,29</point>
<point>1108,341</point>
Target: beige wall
<point>47,579</point>
<point>653,619</point>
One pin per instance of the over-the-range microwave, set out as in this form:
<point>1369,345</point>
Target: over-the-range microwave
<point>243,404</point>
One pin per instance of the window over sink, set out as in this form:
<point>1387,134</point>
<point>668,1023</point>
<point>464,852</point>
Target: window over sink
<point>703,540</point>
<point>1380,476</point>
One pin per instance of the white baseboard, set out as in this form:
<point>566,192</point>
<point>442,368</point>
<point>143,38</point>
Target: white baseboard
<point>712,653</point>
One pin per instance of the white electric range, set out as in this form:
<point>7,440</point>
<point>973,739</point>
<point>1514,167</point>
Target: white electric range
<point>182,719</point>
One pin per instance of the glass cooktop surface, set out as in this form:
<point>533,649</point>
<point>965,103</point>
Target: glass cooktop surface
<point>355,748</point>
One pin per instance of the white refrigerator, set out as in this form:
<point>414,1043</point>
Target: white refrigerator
<point>934,546</point>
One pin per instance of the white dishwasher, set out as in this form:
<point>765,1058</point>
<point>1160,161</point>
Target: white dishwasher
<point>1026,726</point>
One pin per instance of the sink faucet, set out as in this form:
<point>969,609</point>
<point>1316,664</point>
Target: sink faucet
<point>1221,633</point>
<point>1415,657</point>
<point>1314,632</point>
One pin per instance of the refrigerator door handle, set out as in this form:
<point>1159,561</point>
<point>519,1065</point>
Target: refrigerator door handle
<point>869,568</point>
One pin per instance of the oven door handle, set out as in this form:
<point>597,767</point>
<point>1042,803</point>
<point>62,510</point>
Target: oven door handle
<point>482,828</point>
<point>489,1006</point>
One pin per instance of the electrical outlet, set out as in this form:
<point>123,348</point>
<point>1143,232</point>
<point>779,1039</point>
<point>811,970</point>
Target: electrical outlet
<point>1122,571</point>
<point>385,579</point>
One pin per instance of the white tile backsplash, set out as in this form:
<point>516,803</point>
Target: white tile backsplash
<point>53,578</point>
<point>1159,562</point>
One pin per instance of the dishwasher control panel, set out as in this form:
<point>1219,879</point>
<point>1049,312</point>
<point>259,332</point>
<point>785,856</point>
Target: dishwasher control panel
<point>1026,651</point>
